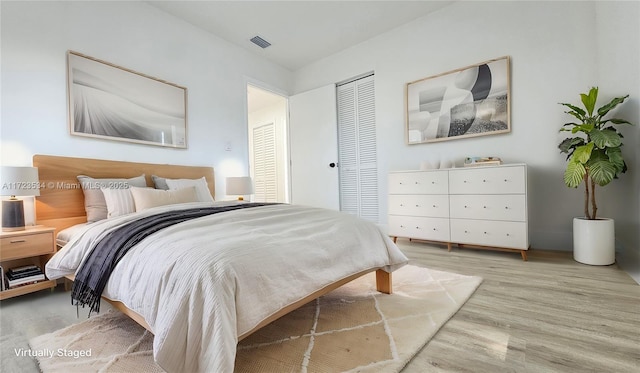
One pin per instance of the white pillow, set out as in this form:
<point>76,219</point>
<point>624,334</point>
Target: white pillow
<point>119,201</point>
<point>146,198</point>
<point>94,203</point>
<point>201,187</point>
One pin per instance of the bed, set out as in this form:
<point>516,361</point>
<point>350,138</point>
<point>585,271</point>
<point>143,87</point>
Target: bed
<point>264,262</point>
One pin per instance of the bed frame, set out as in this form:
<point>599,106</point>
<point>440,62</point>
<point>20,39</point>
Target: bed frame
<point>61,205</point>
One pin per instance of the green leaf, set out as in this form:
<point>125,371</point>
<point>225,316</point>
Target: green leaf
<point>615,121</point>
<point>586,128</point>
<point>605,138</point>
<point>574,174</point>
<point>615,157</point>
<point>570,143</point>
<point>602,171</point>
<point>589,100</point>
<point>582,153</point>
<point>570,124</point>
<point>576,111</point>
<point>608,107</point>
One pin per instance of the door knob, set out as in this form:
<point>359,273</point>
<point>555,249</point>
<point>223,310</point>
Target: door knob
<point>332,165</point>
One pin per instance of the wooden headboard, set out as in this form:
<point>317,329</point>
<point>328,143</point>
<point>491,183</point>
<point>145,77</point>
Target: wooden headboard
<point>61,200</point>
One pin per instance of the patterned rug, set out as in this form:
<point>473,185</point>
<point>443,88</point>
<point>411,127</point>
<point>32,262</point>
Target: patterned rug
<point>352,329</point>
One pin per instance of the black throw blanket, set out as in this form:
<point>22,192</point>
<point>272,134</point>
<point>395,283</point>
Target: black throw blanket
<point>92,277</point>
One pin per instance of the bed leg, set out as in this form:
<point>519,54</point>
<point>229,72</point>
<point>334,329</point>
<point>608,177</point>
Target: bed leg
<point>383,281</point>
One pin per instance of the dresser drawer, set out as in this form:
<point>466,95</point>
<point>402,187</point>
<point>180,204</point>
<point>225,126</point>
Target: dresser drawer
<point>488,180</point>
<point>506,234</point>
<point>508,207</point>
<point>436,206</point>
<point>22,246</point>
<point>433,229</point>
<point>419,182</point>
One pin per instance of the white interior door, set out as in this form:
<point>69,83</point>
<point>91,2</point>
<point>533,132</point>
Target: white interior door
<point>358,149</point>
<point>313,146</point>
<point>265,165</point>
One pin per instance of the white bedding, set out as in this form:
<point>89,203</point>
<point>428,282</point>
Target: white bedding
<point>202,283</point>
<point>65,235</point>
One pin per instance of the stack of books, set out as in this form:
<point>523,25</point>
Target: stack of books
<point>3,286</point>
<point>24,276</point>
<point>481,161</point>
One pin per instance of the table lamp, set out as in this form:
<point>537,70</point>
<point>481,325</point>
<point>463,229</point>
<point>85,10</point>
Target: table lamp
<point>239,186</point>
<point>17,182</point>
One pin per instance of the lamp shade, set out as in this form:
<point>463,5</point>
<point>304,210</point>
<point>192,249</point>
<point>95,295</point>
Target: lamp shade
<point>19,181</point>
<point>239,186</point>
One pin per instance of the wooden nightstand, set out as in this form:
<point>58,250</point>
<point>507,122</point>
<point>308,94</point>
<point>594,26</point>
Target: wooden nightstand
<point>34,245</point>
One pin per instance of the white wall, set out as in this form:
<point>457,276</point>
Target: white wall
<point>618,41</point>
<point>552,60</point>
<point>36,37</point>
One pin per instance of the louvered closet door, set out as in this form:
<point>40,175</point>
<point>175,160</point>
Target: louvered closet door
<point>264,163</point>
<point>357,149</point>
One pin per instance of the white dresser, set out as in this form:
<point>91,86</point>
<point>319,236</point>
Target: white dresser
<point>484,207</point>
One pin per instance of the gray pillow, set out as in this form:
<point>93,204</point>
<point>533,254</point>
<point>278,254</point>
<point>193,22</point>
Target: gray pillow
<point>159,182</point>
<point>94,202</point>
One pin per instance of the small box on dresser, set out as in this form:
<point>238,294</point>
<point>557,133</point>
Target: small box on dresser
<point>33,245</point>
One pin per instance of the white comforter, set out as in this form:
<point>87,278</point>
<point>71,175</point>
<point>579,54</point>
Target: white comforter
<point>202,283</point>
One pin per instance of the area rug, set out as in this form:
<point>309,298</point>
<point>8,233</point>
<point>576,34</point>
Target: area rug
<point>352,329</point>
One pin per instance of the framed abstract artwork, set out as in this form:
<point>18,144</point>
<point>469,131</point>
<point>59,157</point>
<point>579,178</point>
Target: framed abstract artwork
<point>471,101</point>
<point>111,102</point>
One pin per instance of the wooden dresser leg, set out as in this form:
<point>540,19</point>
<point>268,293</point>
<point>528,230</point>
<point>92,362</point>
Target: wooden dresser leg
<point>524,254</point>
<point>395,239</point>
<point>383,281</point>
<point>448,246</point>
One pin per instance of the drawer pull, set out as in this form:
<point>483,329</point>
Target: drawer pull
<point>401,183</point>
<point>466,231</point>
<point>434,205</point>
<point>417,227</point>
<point>484,181</point>
<point>401,205</point>
<point>416,183</point>
<point>417,205</point>
<point>18,241</point>
<point>401,226</point>
<point>508,234</point>
<point>433,182</point>
<point>484,207</point>
<point>465,206</point>
<point>506,207</point>
<point>465,181</point>
<point>434,229</point>
<point>505,180</point>
<point>485,232</point>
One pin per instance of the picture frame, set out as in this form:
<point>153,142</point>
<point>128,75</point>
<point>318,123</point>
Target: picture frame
<point>466,102</point>
<point>111,102</point>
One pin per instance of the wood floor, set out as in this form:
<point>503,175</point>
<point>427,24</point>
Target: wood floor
<point>550,314</point>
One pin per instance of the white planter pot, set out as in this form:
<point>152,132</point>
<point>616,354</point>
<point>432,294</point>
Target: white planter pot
<point>594,241</point>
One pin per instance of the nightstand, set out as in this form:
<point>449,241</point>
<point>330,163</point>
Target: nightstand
<point>34,245</point>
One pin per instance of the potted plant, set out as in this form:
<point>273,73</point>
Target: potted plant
<point>595,158</point>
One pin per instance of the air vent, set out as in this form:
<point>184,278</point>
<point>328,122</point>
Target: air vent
<point>260,42</point>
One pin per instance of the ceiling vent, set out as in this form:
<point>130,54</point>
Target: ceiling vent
<point>260,42</point>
